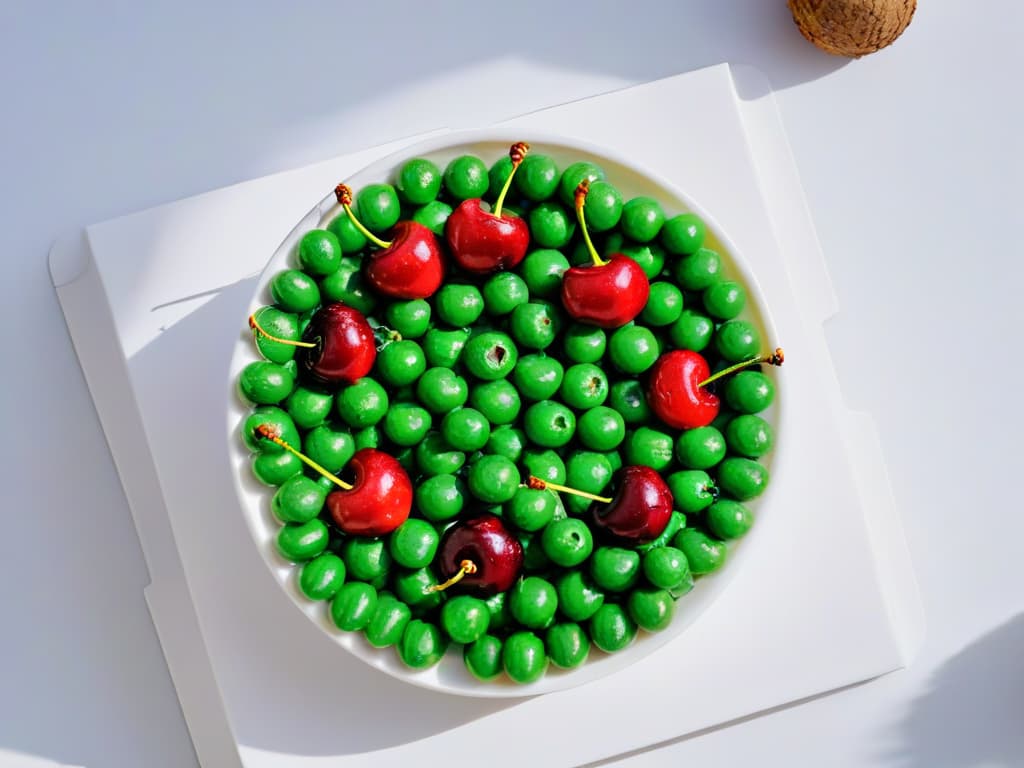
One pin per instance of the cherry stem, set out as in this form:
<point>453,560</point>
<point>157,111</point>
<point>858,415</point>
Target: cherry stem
<point>540,485</point>
<point>775,358</point>
<point>466,567</point>
<point>581,198</point>
<point>517,152</point>
<point>270,433</point>
<point>344,194</point>
<point>255,325</point>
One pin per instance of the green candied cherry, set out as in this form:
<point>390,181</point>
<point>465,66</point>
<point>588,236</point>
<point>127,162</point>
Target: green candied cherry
<point>567,542</point>
<point>401,362</point>
<point>497,400</point>
<point>413,543</point>
<point>728,519</point>
<point>277,420</point>
<point>545,464</point>
<point>749,392</point>
<point>584,386</point>
<point>724,300</point>
<point>309,406</point>
<point>538,377</point>
<point>459,305</point>
<point>578,596</point>
<point>440,498</point>
<point>742,479</point>
<point>535,324</point>
<point>615,569</point>
<point>298,500</point>
<point>504,292</point>
<point>321,577</point>
<point>367,560</point>
<point>567,645</point>
<point>650,256</point>
<point>493,479</point>
<point>584,343</point>
<point>700,448</point>
<point>444,348</point>
<point>749,435</point>
<point>406,424</point>
<point>490,355</point>
<point>587,474</point>
<point>629,399</point>
<point>642,219</point>
<point>551,226</point>
<point>601,428</point>
<point>507,441</point>
<point>353,606</point>
<point>534,558</point>
<point>378,207</point>
<point>368,437</point>
<point>265,383</point>
<point>737,340</point>
<point>665,567</point>
<point>649,448</point>
<point>691,330</point>
<point>466,178</point>
<point>542,272</point>
<point>419,181</point>
<point>348,234</point>
<point>604,206</point>
<point>347,285</point>
<point>651,609</point>
<point>703,553</point>
<point>498,175</point>
<point>319,252</point>
<point>435,457</point>
<point>683,235</point>
<point>277,325</point>
<point>295,291</point>
<point>362,404</point>
<point>699,270</point>
<point>533,602</point>
<point>465,618</point>
<point>573,175</point>
<point>410,319</point>
<point>466,429</point>
<point>299,542</point>
<point>441,390</point>
<point>549,424</point>
<point>388,621</point>
<point>611,628</point>
<point>530,510</point>
<point>274,468</point>
<point>633,349</point>
<point>676,522</point>
<point>523,657</point>
<point>614,460</point>
<point>692,490</point>
<point>416,588</point>
<point>434,215</point>
<point>537,178</point>
<point>664,305</point>
<point>483,658</point>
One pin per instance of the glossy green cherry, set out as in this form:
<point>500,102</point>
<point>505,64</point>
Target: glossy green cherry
<point>650,448</point>
<point>692,331</point>
<point>538,377</point>
<point>737,340</point>
<point>615,569</point>
<point>573,175</point>
<point>584,386</point>
<point>601,428</point>
<point>368,437</point>
<point>378,207</point>
<point>415,588</point>
<point>567,542</point>
<point>523,657</point>
<point>728,519</point>
<point>650,256</point>
<point>703,553</point>
<point>542,272</point>
<point>683,235</point>
<point>299,542</point>
<point>538,177</point>
<point>664,305</point>
<point>665,567</point>
<point>742,479</point>
<point>459,305</point>
<point>504,292</point>
<point>274,468</point>
<point>611,628</point>
<point>549,424</point>
<point>633,349</point>
<point>353,606</point>
<point>533,602</point>
<point>348,234</point>
<point>322,577</point>
<point>700,270</point>
<point>294,291</point>
<point>275,418</point>
<point>749,392</point>
<point>265,383</point>
<point>309,406</point>
<point>441,390</point>
<point>584,343</point>
<point>651,609</point>
<point>298,500</point>
<point>493,479</point>
<point>748,435</point>
<point>388,622</point>
<point>419,181</point>
<point>498,175</point>
<point>413,543</point>
<point>530,510</point>
<point>507,441</point>
<point>362,404</point>
<point>347,285</point>
<point>434,216</point>
<point>435,457</point>
<point>545,464</point>
<point>700,448</point>
<point>367,560</point>
<point>567,645</point>
<point>724,300</point>
<point>490,355</point>
<point>440,498</point>
<point>465,618</point>
<point>466,429</point>
<point>676,522</point>
<point>534,325</point>
<point>498,401</point>
<point>589,472</point>
<point>692,490</point>
<point>604,206</point>
<point>319,252</point>
<point>466,177</point>
<point>551,226</point>
<point>401,363</point>
<point>578,596</point>
<point>483,658</point>
<point>629,399</point>
<point>282,325</point>
<point>642,219</point>
<point>410,319</point>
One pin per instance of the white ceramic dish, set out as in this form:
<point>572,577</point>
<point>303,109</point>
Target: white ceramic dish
<point>450,675</point>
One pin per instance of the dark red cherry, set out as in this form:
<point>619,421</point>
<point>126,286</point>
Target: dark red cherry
<point>380,497</point>
<point>483,541</point>
<point>344,348</point>
<point>640,509</point>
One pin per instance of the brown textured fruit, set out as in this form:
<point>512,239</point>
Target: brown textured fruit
<point>852,27</point>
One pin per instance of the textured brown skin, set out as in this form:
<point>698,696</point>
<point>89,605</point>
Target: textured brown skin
<point>852,28</point>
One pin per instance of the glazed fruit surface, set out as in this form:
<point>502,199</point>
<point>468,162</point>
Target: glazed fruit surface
<point>493,379</point>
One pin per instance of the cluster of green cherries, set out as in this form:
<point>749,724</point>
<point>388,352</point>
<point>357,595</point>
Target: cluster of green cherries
<point>489,383</point>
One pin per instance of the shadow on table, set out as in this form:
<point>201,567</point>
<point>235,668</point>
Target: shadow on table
<point>973,711</point>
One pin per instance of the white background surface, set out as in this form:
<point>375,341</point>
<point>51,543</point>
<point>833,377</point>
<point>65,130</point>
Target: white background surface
<point>913,162</point>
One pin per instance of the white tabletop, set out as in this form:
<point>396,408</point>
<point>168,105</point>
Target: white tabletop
<point>912,160</point>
